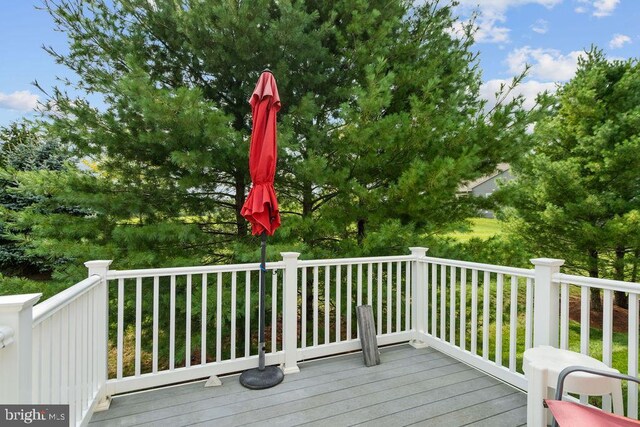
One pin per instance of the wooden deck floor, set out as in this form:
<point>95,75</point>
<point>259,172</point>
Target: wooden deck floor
<point>409,387</point>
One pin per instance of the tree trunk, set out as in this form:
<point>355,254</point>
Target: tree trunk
<point>361,231</point>
<point>621,299</point>
<point>241,223</point>
<point>634,271</point>
<point>596,301</point>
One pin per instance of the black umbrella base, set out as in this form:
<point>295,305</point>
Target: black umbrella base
<point>255,379</point>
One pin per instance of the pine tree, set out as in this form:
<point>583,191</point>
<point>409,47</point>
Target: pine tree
<point>577,193</point>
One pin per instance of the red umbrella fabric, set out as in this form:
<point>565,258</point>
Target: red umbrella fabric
<point>261,206</point>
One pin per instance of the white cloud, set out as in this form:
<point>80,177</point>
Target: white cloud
<point>20,101</point>
<point>619,40</point>
<point>604,7</point>
<point>540,26</point>
<point>493,16</point>
<point>600,7</point>
<point>529,90</point>
<point>546,64</point>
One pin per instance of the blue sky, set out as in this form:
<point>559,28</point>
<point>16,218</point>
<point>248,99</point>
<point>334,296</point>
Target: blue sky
<point>547,34</point>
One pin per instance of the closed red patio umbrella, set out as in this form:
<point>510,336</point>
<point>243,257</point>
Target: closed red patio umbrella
<point>261,206</point>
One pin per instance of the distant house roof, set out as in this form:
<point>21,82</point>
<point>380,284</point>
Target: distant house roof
<point>468,187</point>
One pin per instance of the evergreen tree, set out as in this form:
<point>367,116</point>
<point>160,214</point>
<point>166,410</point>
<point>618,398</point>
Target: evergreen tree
<point>23,148</point>
<point>381,122</point>
<point>577,193</point>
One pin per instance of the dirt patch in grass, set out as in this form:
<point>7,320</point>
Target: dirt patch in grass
<point>620,316</point>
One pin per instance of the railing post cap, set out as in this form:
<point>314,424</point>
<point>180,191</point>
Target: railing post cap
<point>547,262</point>
<point>99,263</point>
<point>418,250</point>
<point>290,255</point>
<point>16,303</point>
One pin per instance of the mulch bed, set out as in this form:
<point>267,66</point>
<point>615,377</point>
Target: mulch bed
<point>620,316</point>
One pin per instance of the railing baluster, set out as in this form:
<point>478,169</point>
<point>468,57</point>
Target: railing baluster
<point>452,306</point>
<point>443,302</point>
<point>585,324</point>
<point>434,299</point>
<point>528,314</point>
<point>486,283</point>
<point>138,325</point>
<point>349,302</point>
<point>172,323</point>
<point>370,285</point>
<point>513,323</point>
<point>303,325</point>
<point>407,296</point>
<point>73,357</point>
<point>247,313</point>
<point>474,311</point>
<point>156,296</point>
<point>607,338</point>
<point>632,362</point>
<point>187,344</point>
<point>327,303</point>
<point>219,318</point>
<point>274,311</point>
<point>379,299</point>
<point>389,296</point>
<point>36,377</point>
<point>316,319</point>
<point>45,363</point>
<point>203,321</point>
<point>564,316</point>
<point>359,285</point>
<point>499,312</point>
<point>120,332</point>
<point>338,303</point>
<point>585,308</point>
<point>463,308</point>
<point>64,365</point>
<point>55,359</point>
<point>424,289</point>
<point>81,356</point>
<point>234,284</point>
<point>398,296</point>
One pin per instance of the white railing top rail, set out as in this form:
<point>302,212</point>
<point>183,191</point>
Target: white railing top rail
<point>347,261</point>
<point>514,271</point>
<point>49,307</point>
<point>183,271</point>
<point>591,282</point>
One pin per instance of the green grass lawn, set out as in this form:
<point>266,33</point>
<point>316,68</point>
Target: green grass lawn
<point>481,228</point>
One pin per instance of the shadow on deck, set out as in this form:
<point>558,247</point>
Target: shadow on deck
<point>410,386</point>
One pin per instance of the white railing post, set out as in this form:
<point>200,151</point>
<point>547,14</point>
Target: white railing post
<point>101,268</point>
<point>546,306</point>
<point>290,312</point>
<point>417,296</point>
<point>16,323</point>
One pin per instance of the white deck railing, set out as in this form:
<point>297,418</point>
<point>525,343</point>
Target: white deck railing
<point>162,326</point>
<point>580,287</point>
<point>464,301</point>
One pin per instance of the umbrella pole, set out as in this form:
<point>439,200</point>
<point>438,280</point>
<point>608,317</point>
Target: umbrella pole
<point>262,376</point>
<point>263,274</point>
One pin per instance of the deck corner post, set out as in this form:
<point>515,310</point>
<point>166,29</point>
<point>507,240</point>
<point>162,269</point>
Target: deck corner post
<point>101,268</point>
<point>16,345</point>
<point>417,296</point>
<point>546,305</point>
<point>290,312</point>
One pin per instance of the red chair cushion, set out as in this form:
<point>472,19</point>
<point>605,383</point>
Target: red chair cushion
<point>570,414</point>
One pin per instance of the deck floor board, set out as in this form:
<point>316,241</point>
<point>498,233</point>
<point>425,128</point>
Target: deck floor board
<point>409,387</point>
